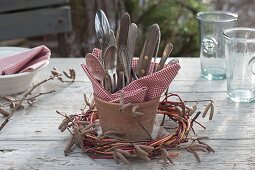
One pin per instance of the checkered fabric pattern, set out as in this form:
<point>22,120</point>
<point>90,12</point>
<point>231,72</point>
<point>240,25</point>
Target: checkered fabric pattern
<point>25,61</point>
<point>140,90</point>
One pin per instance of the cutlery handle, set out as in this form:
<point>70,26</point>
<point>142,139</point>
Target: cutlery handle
<point>167,51</point>
<point>121,80</point>
<point>108,83</point>
<point>131,41</point>
<point>122,35</point>
<point>123,54</point>
<point>148,51</point>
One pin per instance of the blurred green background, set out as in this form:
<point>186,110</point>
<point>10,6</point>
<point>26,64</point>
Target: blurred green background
<point>177,21</point>
<point>176,18</point>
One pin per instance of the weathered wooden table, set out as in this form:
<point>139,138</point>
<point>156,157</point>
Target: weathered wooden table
<point>31,139</point>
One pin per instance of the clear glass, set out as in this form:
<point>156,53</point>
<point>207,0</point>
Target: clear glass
<point>240,59</point>
<point>211,26</point>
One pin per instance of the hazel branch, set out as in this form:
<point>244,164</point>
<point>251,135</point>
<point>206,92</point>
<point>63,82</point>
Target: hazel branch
<point>17,104</point>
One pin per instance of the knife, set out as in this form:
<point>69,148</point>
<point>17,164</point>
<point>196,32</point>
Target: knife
<point>148,51</point>
<point>167,51</point>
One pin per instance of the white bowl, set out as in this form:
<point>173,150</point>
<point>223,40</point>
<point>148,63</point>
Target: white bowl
<point>15,83</point>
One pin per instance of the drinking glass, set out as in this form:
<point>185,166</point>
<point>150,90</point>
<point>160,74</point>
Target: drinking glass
<point>240,59</point>
<point>211,26</point>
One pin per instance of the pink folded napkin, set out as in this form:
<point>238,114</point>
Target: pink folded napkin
<point>140,90</point>
<point>25,61</point>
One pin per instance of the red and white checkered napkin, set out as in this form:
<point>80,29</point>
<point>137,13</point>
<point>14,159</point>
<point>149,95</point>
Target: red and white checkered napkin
<point>140,90</point>
<point>131,96</point>
<point>25,61</point>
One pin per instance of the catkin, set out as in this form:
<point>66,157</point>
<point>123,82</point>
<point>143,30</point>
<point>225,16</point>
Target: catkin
<point>122,158</point>
<point>195,154</point>
<point>140,151</point>
<point>123,152</point>
<point>194,108</point>
<point>160,131</point>
<point>69,145</point>
<point>4,112</point>
<point>211,112</point>
<point>147,148</point>
<point>206,109</point>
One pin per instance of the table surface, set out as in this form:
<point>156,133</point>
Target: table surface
<point>31,139</point>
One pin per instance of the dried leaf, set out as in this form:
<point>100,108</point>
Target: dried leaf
<point>194,108</point>
<point>137,114</point>
<point>160,131</point>
<point>198,145</point>
<point>73,74</point>
<point>124,106</point>
<point>67,75</point>
<point>69,145</point>
<point>178,109</point>
<point>123,152</point>
<point>170,159</point>
<point>164,155</point>
<point>140,151</point>
<point>134,108</point>
<point>195,154</point>
<point>122,158</point>
<point>63,128</point>
<point>208,147</point>
<point>77,136</point>
<point>55,73</point>
<point>84,131</point>
<point>122,95</point>
<point>9,98</point>
<point>89,126</point>
<point>86,100</point>
<point>211,112</point>
<point>144,157</point>
<point>115,157</point>
<point>199,149</point>
<point>206,109</point>
<point>60,79</point>
<point>63,123</point>
<point>82,122</point>
<point>4,112</point>
<point>146,148</point>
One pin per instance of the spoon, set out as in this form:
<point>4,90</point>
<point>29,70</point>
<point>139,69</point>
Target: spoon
<point>95,66</point>
<point>123,56</point>
<point>110,65</point>
<point>167,51</point>
<point>112,40</point>
<point>102,28</point>
<point>122,40</point>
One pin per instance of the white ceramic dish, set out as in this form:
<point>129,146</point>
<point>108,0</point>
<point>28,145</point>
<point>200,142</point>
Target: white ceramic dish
<point>15,83</point>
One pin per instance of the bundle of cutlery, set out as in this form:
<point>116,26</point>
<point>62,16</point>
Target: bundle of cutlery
<point>114,67</point>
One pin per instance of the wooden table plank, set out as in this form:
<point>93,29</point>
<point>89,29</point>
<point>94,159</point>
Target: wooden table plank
<point>31,139</point>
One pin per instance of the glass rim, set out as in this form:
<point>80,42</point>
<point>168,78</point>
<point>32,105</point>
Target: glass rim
<point>226,31</point>
<point>231,14</point>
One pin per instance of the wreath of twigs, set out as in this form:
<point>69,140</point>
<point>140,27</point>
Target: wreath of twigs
<point>110,145</point>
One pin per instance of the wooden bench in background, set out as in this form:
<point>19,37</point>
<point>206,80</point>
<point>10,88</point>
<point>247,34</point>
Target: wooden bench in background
<point>30,18</point>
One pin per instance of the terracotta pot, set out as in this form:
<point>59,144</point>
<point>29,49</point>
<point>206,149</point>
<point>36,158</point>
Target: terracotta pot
<point>112,119</point>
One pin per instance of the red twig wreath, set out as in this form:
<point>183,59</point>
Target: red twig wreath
<point>111,145</point>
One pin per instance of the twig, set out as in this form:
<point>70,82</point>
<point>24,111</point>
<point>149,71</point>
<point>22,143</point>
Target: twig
<point>40,94</point>
<point>18,103</point>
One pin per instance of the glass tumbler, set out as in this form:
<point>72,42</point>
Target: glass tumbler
<point>211,26</point>
<point>240,59</point>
